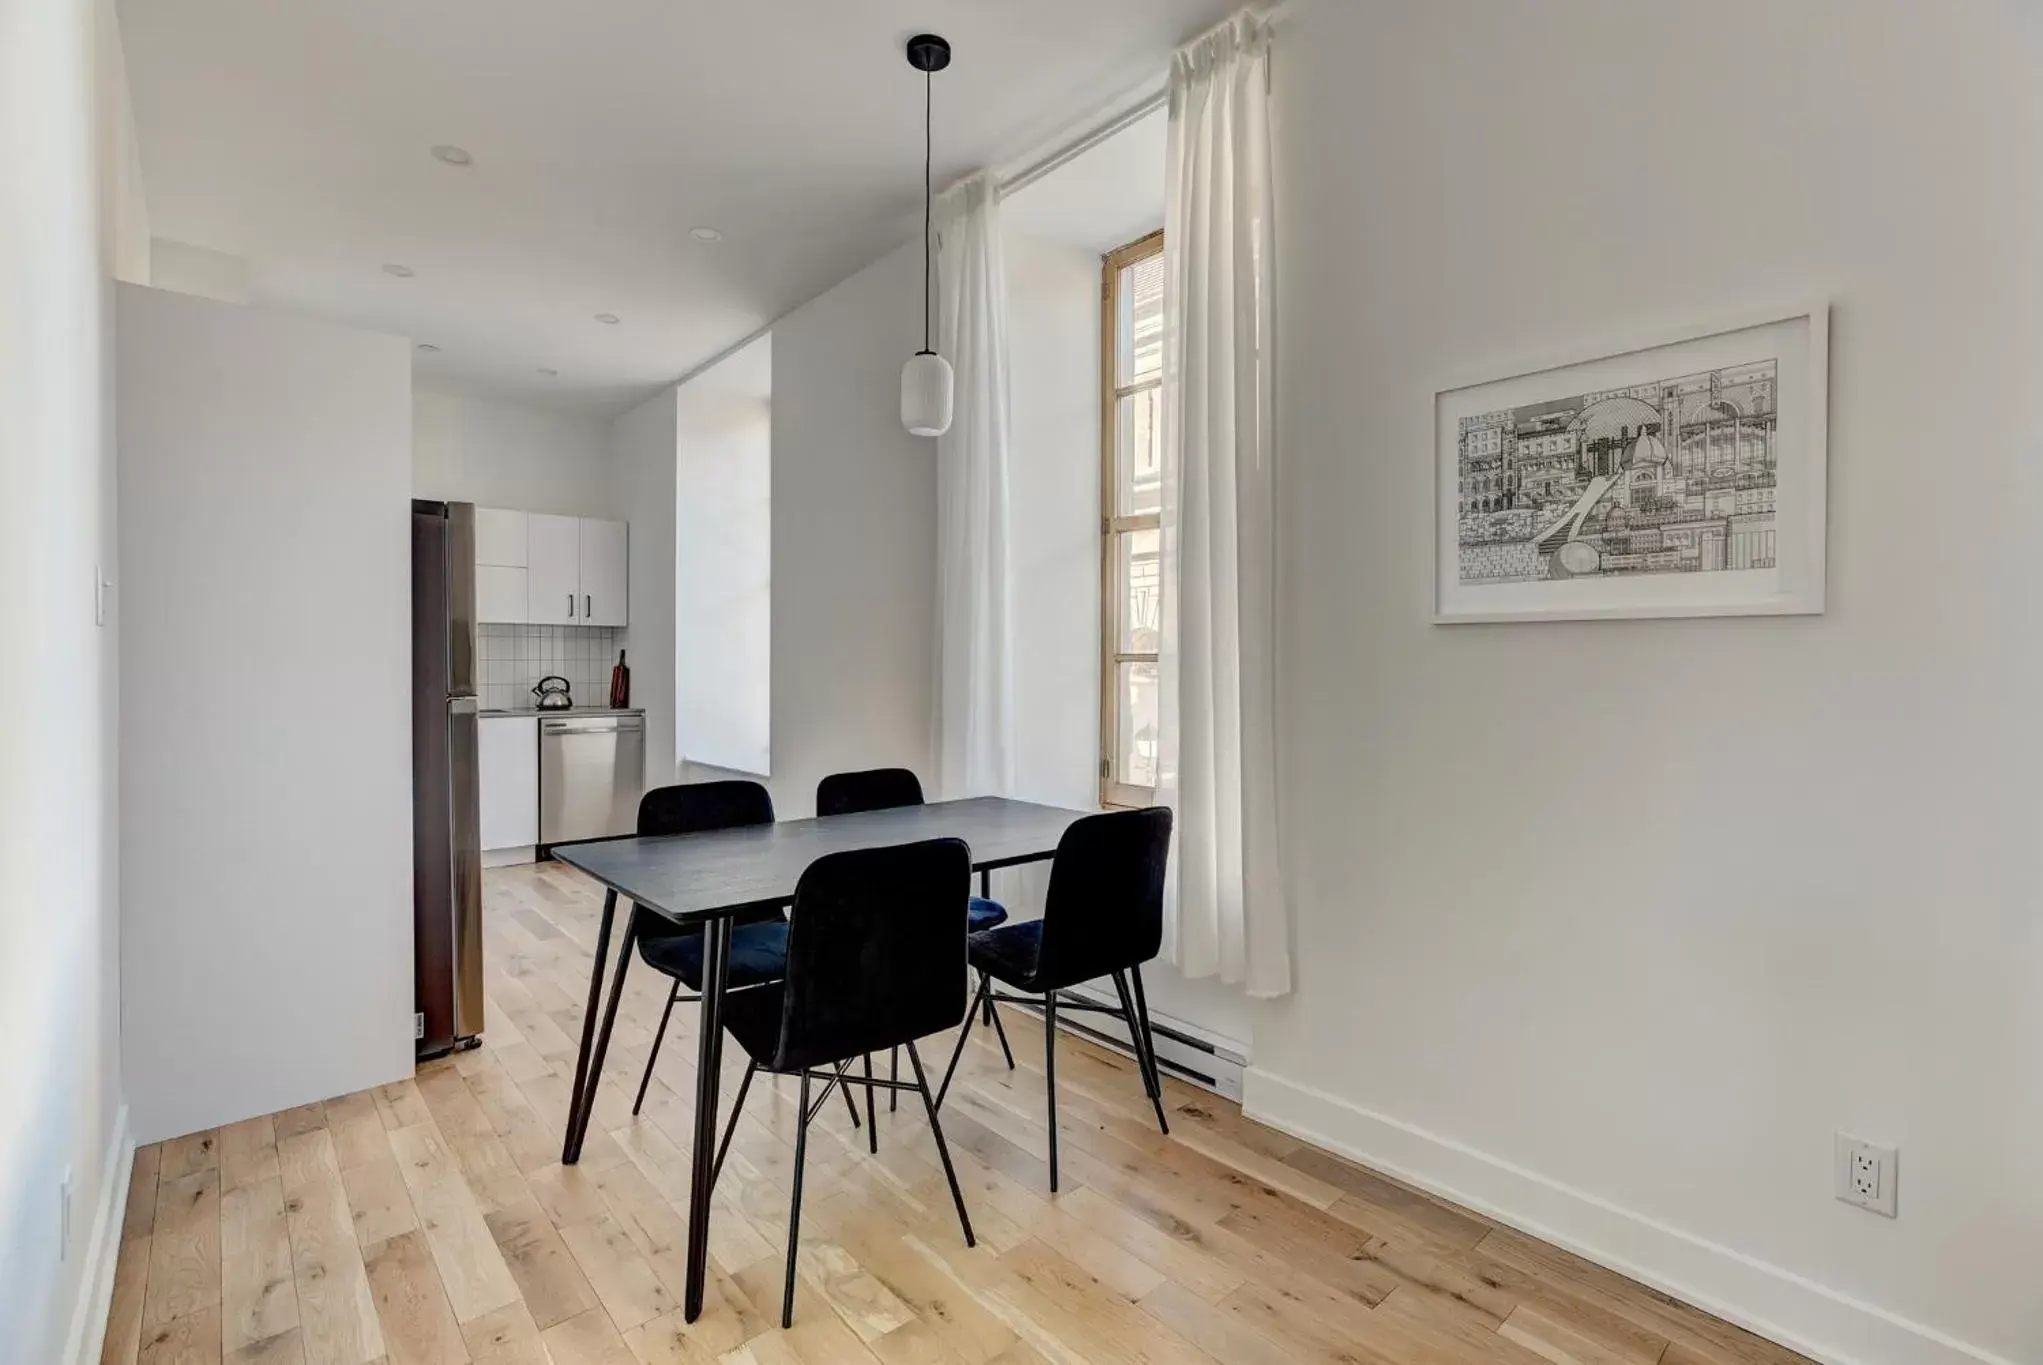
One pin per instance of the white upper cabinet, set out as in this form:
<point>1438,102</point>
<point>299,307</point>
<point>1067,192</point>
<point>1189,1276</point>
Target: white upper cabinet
<point>536,569</point>
<point>605,569</point>
<point>553,568</point>
<point>500,538</point>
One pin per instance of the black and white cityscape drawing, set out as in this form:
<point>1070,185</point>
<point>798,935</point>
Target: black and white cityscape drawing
<point>1667,477</point>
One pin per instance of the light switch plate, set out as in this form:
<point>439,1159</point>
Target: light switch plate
<point>1867,1174</point>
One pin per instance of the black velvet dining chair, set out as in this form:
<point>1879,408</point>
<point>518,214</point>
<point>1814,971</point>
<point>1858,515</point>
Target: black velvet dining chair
<point>888,789</point>
<point>1103,916</point>
<point>758,940</point>
<point>875,959</point>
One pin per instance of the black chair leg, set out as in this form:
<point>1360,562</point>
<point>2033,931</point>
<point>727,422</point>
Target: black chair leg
<point>1152,1084</point>
<point>993,1018</point>
<point>893,1074</point>
<point>872,1125</point>
<point>794,1213</point>
<point>1050,1076</point>
<point>646,1080</point>
<point>971,1014</point>
<point>1149,1043</point>
<point>942,1150</point>
<point>849,1103</point>
<point>737,1108</point>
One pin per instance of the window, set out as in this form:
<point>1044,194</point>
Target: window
<point>1131,519</point>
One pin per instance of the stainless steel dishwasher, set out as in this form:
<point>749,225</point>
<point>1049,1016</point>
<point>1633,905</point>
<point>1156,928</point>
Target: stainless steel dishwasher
<point>591,774</point>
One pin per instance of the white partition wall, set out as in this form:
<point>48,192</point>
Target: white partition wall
<point>265,484</point>
<point>723,563</point>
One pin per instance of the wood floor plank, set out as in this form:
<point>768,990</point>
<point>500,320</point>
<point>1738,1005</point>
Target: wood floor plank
<point>505,1336</point>
<point>378,1201</point>
<point>471,1267</point>
<point>193,1339</point>
<point>248,1152</point>
<point>123,1340</point>
<point>336,1312</point>
<point>589,1338</point>
<point>258,1293</point>
<point>418,1325</point>
<point>287,1348</point>
<point>140,1217</point>
<point>184,1256</point>
<point>549,1279</point>
<point>189,1155</point>
<point>624,1284</point>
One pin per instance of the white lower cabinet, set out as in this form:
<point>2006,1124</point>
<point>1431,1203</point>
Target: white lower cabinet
<point>508,764</point>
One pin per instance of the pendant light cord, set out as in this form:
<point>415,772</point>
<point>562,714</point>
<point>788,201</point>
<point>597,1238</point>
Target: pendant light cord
<point>928,191</point>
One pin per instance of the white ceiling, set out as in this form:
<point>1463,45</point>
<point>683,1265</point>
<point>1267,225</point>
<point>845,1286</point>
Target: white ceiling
<point>295,134</point>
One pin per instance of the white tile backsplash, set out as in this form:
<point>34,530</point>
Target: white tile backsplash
<point>512,660</point>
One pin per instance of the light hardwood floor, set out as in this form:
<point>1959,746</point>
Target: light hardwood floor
<point>431,1221</point>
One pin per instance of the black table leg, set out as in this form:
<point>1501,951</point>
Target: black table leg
<point>571,1143</point>
<point>709,1057</point>
<point>578,1121</point>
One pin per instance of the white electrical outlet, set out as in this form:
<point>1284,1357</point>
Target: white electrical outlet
<point>1867,1174</point>
<point>64,1217</point>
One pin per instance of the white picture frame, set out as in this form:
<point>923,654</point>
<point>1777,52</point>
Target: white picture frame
<point>1679,473</point>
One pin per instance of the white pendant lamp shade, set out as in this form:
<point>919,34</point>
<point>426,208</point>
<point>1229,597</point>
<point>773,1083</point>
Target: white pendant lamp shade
<point>926,395</point>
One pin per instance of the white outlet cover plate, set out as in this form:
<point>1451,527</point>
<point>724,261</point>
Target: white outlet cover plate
<point>1875,1193</point>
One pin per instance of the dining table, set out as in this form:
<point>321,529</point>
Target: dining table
<point>712,877</point>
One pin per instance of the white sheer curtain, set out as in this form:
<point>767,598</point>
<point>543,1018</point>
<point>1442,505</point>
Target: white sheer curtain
<point>1226,912</point>
<point>975,681</point>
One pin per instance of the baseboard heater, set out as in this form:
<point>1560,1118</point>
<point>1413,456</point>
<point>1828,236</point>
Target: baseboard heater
<point>1209,1065</point>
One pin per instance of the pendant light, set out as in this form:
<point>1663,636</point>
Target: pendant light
<point>926,378</point>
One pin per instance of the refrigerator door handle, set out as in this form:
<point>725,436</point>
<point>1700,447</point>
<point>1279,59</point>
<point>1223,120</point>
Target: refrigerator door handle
<point>464,825</point>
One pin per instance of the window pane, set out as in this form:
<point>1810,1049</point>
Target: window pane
<point>1139,576</point>
<point>1138,450</point>
<point>1135,750</point>
<point>1140,341</point>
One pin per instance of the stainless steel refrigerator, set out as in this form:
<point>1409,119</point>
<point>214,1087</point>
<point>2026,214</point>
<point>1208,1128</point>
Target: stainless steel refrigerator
<point>446,824</point>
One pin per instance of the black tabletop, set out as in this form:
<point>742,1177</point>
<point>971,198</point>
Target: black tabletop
<point>691,877</point>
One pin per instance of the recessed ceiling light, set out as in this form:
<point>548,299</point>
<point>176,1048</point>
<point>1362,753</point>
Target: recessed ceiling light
<point>549,373</point>
<point>452,155</point>
<point>403,272</point>
<point>705,234</point>
<point>427,346</point>
<point>607,319</point>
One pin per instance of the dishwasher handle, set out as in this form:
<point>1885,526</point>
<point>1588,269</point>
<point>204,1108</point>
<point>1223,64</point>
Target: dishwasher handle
<point>592,725</point>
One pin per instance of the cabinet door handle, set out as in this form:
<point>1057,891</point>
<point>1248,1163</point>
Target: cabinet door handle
<point>588,606</point>
<point>571,604</point>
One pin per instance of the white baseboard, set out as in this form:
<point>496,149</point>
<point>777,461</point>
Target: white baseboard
<point>102,1251</point>
<point>509,857</point>
<point>1777,1304</point>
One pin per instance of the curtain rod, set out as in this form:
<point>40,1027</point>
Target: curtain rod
<point>1119,122</point>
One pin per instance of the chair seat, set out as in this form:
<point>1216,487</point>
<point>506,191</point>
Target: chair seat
<point>758,954</point>
<point>981,913</point>
<point>753,1018</point>
<point>1009,953</point>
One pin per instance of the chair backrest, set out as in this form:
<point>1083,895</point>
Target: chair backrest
<point>1104,908</point>
<point>873,789</point>
<point>875,951</point>
<point>694,807</point>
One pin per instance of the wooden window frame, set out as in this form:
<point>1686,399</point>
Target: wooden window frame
<point>1113,791</point>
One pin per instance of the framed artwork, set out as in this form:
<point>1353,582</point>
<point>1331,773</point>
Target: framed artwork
<point>1680,477</point>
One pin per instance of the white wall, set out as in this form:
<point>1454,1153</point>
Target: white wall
<point>723,564</point>
<point>854,538</point>
<point>1773,877</point>
<point>63,205</point>
<point>265,481</point>
<point>497,452</point>
<point>187,269</point>
<point>642,465</point>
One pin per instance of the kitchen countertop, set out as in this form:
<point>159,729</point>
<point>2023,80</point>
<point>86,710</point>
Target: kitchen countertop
<point>570,713</point>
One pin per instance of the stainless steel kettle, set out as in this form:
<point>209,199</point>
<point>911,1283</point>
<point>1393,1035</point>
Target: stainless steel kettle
<point>552,693</point>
